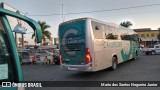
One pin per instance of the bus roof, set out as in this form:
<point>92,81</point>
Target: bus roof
<point>73,20</point>
<point>85,18</point>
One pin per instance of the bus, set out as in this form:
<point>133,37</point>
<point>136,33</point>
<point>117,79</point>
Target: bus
<point>87,44</point>
<point>10,67</point>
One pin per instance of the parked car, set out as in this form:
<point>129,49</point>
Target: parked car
<point>43,53</point>
<point>25,57</point>
<point>152,49</point>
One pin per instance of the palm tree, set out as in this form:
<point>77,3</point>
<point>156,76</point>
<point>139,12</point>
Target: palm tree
<point>45,32</point>
<point>33,35</point>
<point>126,24</point>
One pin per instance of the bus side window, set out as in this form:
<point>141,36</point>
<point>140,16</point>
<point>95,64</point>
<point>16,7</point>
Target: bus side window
<point>110,33</point>
<point>98,30</point>
<point>135,36</point>
<point>96,27</point>
<point>125,34</point>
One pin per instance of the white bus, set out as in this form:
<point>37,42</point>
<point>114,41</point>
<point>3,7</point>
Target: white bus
<point>91,45</point>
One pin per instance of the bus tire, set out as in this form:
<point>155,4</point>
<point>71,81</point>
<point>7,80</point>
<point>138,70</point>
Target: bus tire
<point>114,63</point>
<point>136,56</point>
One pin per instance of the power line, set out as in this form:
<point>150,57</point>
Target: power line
<point>134,13</point>
<point>137,13</point>
<point>99,10</point>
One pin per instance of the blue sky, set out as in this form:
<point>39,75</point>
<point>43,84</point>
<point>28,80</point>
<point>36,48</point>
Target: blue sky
<point>144,17</point>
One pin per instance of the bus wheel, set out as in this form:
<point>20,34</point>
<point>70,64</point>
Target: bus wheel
<point>135,56</point>
<point>114,63</point>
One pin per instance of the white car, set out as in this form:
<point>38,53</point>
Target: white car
<point>152,49</point>
<point>44,53</point>
<point>25,57</point>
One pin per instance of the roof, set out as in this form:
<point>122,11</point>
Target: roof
<point>144,30</point>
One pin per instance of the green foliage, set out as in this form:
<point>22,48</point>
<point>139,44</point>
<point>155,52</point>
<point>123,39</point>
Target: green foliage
<point>158,34</point>
<point>45,32</point>
<point>126,24</point>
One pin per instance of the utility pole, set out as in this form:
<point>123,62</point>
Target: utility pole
<point>62,13</point>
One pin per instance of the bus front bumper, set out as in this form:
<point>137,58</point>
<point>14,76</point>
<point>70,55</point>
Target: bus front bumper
<point>86,67</point>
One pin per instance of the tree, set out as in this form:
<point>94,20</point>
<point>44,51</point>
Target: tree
<point>33,35</point>
<point>45,32</point>
<point>126,24</point>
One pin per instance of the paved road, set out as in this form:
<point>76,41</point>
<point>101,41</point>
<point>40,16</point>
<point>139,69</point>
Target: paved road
<point>146,68</point>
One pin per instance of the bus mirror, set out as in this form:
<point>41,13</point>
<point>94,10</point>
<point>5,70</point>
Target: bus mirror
<point>140,40</point>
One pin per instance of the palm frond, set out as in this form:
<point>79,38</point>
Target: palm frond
<point>45,33</point>
<point>126,24</point>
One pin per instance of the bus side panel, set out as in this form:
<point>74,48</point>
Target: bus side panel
<point>105,50</point>
<point>100,55</point>
<point>125,52</point>
<point>128,51</point>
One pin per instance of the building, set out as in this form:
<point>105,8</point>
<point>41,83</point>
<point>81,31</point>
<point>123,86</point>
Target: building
<point>147,35</point>
<point>24,42</point>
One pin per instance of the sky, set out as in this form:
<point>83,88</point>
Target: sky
<point>50,11</point>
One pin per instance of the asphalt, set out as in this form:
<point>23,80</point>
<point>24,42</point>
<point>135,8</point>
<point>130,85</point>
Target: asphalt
<point>145,68</point>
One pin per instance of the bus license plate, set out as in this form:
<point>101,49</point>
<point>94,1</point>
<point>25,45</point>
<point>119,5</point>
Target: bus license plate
<point>72,68</point>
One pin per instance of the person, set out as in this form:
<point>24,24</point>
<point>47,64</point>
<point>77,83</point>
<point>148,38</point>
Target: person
<point>45,60</point>
<point>34,59</point>
<point>53,56</point>
<point>49,61</point>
